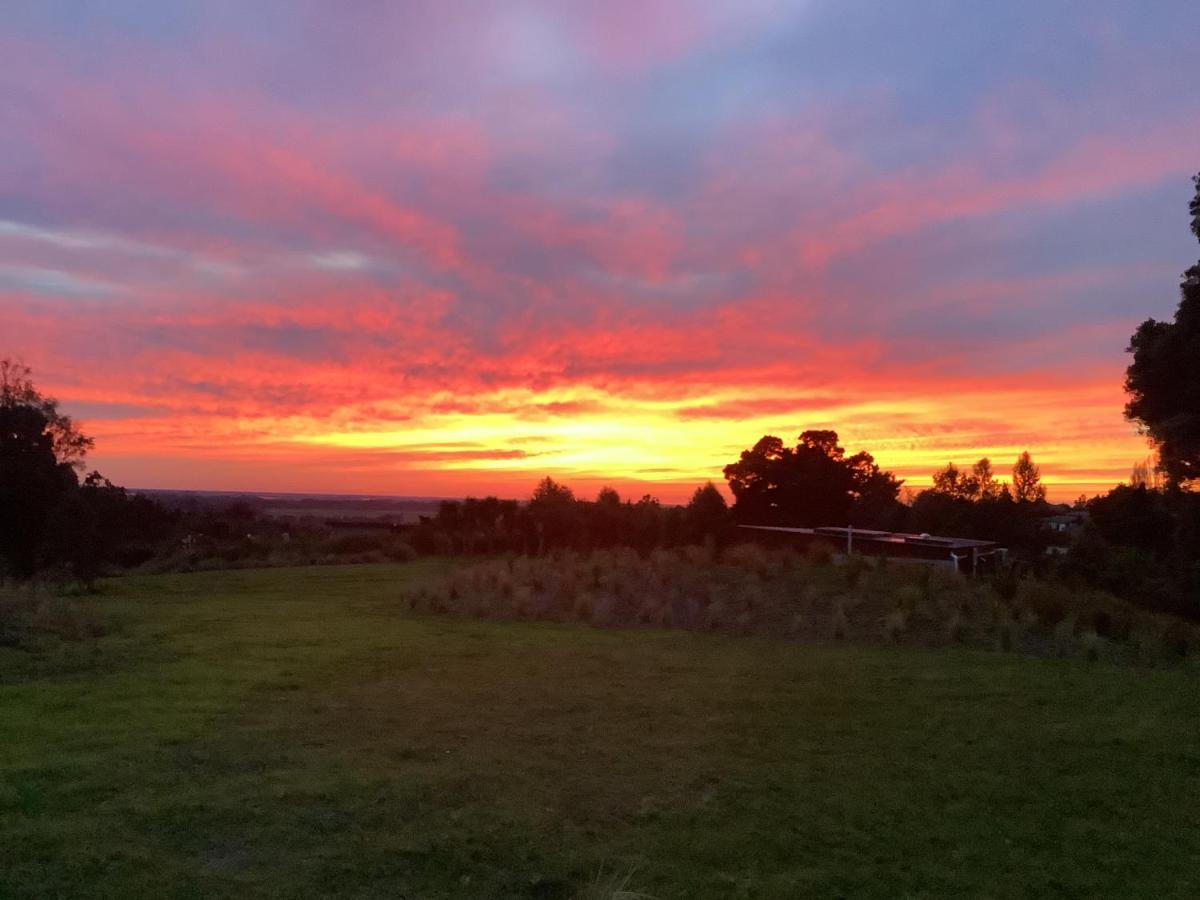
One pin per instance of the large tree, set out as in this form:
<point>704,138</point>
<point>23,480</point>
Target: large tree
<point>1027,484</point>
<point>40,449</point>
<point>17,391</point>
<point>978,484</point>
<point>554,514</point>
<point>1163,381</point>
<point>707,514</point>
<point>813,483</point>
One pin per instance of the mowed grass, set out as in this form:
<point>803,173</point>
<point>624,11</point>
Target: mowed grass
<point>293,732</point>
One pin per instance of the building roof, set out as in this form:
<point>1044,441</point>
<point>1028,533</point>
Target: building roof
<point>928,541</point>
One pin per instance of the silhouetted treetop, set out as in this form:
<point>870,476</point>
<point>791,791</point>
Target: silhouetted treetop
<point>608,497</point>
<point>17,392</point>
<point>1027,484</point>
<point>1163,381</point>
<point>813,483</point>
<point>1194,208</point>
<point>39,451</point>
<point>550,493</point>
<point>978,484</point>
<point>707,500</point>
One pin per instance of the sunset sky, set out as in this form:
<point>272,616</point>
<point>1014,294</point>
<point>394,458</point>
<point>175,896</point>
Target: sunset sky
<point>445,248</point>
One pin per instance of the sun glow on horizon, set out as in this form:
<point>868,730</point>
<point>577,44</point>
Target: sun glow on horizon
<point>511,438</point>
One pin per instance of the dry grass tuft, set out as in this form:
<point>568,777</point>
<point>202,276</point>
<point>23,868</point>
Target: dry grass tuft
<point>894,625</point>
<point>611,886</point>
<point>751,589</point>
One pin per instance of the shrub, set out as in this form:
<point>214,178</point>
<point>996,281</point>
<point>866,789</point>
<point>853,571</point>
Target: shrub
<point>856,566</point>
<point>1011,633</point>
<point>925,583</point>
<point>819,553</point>
<point>1178,639</point>
<point>1049,602</point>
<point>751,557</point>
<point>907,597</point>
<point>130,556</point>
<point>1064,636</point>
<point>955,627</point>
<point>839,625</point>
<point>401,551</point>
<point>1093,645</point>
<point>31,614</point>
<point>346,544</point>
<point>895,625</point>
<point>1006,583</point>
<point>797,624</point>
<point>715,616</point>
<point>585,607</point>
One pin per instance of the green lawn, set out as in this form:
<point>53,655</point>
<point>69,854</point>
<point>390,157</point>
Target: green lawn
<point>289,733</point>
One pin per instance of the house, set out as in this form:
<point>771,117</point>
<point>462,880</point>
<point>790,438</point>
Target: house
<point>1063,524</point>
<point>1066,520</point>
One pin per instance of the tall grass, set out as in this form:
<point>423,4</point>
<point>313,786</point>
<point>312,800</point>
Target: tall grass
<point>31,614</point>
<point>750,589</point>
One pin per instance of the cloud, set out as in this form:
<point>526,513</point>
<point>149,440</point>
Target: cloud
<point>50,281</point>
<point>340,260</point>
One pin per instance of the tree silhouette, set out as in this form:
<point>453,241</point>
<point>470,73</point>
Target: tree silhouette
<point>1027,480</point>
<point>1163,381</point>
<point>978,484</point>
<point>17,390</point>
<point>953,482</point>
<point>1194,207</point>
<point>989,488</point>
<point>39,451</point>
<point>608,518</point>
<point>813,483</point>
<point>552,509</point>
<point>707,514</point>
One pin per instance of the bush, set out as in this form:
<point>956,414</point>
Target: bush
<point>131,556</point>
<point>354,542</point>
<point>400,551</point>
<point>1006,583</point>
<point>752,557</point>
<point>1049,602</point>
<point>1178,639</point>
<point>856,566</point>
<point>820,553</point>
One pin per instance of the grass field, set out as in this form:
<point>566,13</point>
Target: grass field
<point>293,732</point>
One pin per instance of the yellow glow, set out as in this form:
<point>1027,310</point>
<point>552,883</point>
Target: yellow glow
<point>629,439</point>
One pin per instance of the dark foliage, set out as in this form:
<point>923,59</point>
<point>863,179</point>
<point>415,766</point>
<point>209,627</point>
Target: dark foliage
<point>1027,484</point>
<point>1013,525</point>
<point>39,450</point>
<point>811,484</point>
<point>1163,381</point>
<point>555,519</point>
<point>47,518</point>
<point>707,517</point>
<point>1145,545</point>
<point>978,484</point>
